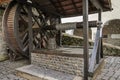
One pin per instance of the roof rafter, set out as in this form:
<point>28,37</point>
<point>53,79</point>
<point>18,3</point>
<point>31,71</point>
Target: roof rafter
<point>75,6</point>
<point>97,4</point>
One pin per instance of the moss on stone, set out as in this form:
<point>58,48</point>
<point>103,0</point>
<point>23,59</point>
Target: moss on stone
<point>108,49</point>
<point>3,57</point>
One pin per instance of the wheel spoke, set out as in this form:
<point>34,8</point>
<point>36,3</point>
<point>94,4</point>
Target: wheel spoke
<point>17,25</point>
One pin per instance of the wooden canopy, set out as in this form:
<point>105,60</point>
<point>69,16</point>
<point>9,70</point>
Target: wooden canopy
<point>67,8</point>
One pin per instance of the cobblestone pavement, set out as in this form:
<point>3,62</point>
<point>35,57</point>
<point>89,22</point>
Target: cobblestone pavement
<point>111,70</point>
<point>7,69</point>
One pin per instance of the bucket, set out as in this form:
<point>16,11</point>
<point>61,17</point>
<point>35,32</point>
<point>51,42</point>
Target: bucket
<point>52,43</point>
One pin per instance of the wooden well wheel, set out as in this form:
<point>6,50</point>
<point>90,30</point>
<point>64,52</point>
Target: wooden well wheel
<point>16,25</point>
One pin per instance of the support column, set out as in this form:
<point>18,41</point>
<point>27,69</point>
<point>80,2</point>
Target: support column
<point>99,42</point>
<point>30,32</point>
<point>59,35</point>
<point>100,20</point>
<point>86,37</point>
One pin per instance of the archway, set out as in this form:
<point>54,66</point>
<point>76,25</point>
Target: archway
<point>111,32</point>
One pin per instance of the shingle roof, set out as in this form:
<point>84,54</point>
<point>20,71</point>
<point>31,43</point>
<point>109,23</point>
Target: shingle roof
<point>71,7</point>
<point>67,8</point>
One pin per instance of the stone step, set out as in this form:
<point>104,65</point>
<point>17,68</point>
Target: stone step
<point>32,72</point>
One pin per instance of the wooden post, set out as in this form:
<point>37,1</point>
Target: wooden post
<point>86,37</point>
<point>30,31</point>
<point>101,46</point>
<point>100,37</point>
<point>59,42</point>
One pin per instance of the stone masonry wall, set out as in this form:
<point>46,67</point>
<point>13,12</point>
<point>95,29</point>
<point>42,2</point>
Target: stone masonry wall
<point>3,52</point>
<point>112,41</point>
<point>79,32</point>
<point>108,49</point>
<point>71,65</point>
<point>73,40</point>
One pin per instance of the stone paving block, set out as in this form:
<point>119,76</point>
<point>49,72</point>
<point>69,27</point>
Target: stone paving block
<point>112,79</point>
<point>105,78</point>
<point>111,69</point>
<point>110,73</point>
<point>116,75</point>
<point>118,78</point>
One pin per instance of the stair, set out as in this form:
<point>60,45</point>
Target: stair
<point>32,72</point>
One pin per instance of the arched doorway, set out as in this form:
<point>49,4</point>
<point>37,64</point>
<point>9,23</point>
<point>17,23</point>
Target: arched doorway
<point>111,32</point>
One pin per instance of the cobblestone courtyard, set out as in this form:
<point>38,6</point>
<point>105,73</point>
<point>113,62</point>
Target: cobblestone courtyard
<point>111,70</point>
<point>7,69</point>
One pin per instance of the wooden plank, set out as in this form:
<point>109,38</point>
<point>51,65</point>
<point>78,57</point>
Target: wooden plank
<point>98,57</point>
<point>92,60</point>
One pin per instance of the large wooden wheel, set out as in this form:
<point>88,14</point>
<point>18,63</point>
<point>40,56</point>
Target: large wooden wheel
<point>16,25</point>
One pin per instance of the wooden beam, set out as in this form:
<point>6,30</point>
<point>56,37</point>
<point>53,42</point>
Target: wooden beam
<point>68,26</point>
<point>99,43</point>
<point>92,60</point>
<point>30,31</point>
<point>86,37</point>
<point>97,4</point>
<point>59,36</point>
